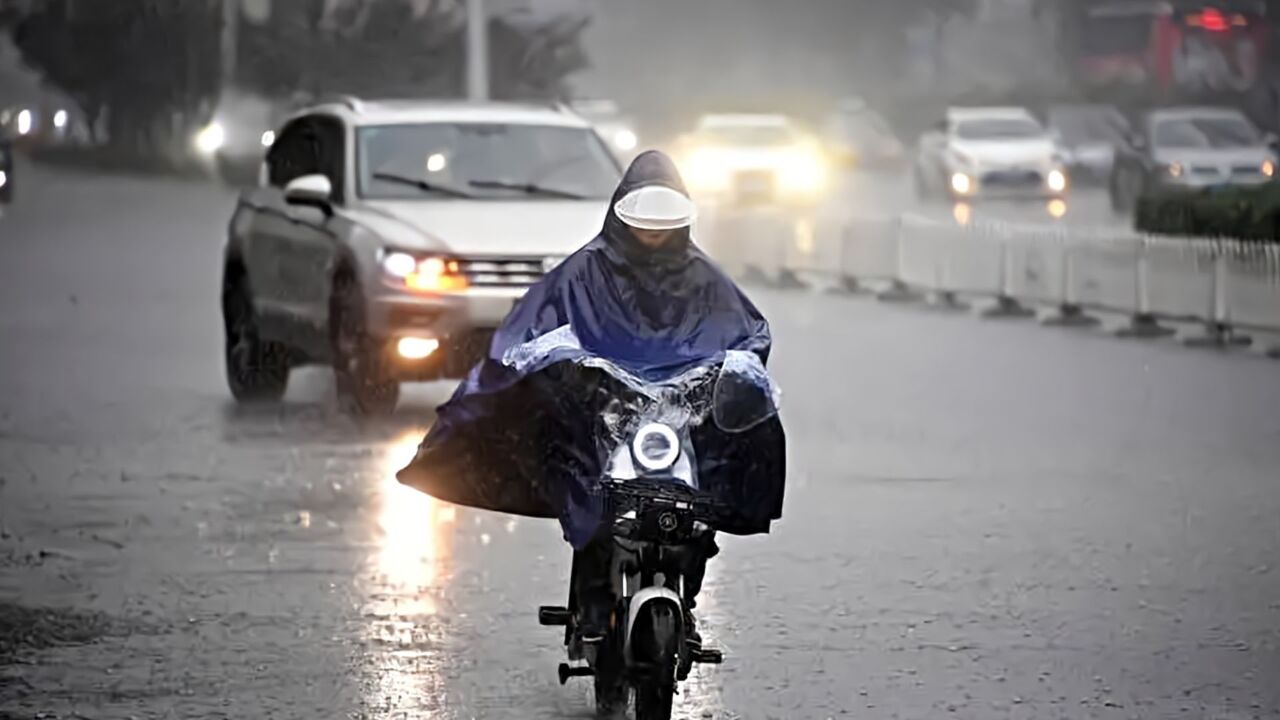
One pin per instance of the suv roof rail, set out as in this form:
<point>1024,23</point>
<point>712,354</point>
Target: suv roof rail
<point>351,102</point>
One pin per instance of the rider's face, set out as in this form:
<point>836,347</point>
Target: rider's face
<point>652,238</point>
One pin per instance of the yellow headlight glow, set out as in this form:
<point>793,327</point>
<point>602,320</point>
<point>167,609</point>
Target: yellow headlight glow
<point>707,170</point>
<point>802,171</point>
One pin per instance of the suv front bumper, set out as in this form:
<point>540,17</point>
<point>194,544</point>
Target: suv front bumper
<point>461,323</point>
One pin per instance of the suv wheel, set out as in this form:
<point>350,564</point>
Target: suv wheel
<point>257,370</point>
<point>1126,186</point>
<point>920,184</point>
<point>359,366</point>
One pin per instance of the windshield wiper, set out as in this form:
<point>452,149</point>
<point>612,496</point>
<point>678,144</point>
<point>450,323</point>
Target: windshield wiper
<point>527,188</point>
<point>423,185</point>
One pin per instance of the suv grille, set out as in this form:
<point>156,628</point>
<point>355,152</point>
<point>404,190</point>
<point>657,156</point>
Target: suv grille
<point>1012,179</point>
<point>502,271</point>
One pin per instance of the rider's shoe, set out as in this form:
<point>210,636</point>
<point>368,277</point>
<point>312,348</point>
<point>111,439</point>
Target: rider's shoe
<point>692,637</point>
<point>692,645</point>
<point>594,622</point>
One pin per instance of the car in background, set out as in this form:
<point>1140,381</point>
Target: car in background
<point>1190,148</point>
<point>390,239</point>
<point>1088,136</point>
<point>615,128</point>
<point>991,152</point>
<point>752,159</point>
<point>241,127</point>
<point>6,172</point>
<point>43,124</point>
<point>859,137</point>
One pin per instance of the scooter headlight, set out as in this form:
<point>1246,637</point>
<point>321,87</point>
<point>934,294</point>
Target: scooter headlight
<point>656,447</point>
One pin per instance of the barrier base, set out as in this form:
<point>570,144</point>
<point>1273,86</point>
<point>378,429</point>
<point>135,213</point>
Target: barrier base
<point>849,285</point>
<point>1143,326</point>
<point>1006,307</point>
<point>896,292</point>
<point>1068,316</point>
<point>789,280</point>
<point>946,301</point>
<point>1216,335</point>
<point>752,275</point>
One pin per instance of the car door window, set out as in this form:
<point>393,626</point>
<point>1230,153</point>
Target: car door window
<point>294,154</point>
<point>331,153</point>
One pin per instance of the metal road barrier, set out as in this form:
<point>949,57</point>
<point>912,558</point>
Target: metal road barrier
<point>1229,289</point>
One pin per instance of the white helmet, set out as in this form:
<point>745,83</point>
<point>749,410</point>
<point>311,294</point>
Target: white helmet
<point>656,207</point>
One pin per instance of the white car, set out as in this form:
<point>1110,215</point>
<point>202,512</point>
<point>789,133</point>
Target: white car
<point>989,152</point>
<point>752,159</point>
<point>389,239</point>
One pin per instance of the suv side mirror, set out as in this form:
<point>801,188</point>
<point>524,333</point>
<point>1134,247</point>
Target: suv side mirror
<point>310,190</point>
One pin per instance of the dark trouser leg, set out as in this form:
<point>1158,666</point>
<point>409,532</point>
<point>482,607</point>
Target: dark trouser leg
<point>696,569</point>
<point>593,586</point>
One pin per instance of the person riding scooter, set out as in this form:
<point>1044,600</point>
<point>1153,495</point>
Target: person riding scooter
<point>521,438</point>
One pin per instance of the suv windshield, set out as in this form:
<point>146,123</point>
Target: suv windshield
<point>998,129</point>
<point>1206,132</point>
<point>486,161</point>
<point>751,135</point>
<point>1080,126</point>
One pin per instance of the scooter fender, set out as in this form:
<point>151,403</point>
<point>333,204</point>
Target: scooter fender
<point>647,596</point>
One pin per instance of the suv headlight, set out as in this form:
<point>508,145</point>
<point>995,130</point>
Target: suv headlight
<point>430,273</point>
<point>1056,180</point>
<point>656,447</point>
<point>211,138</point>
<point>802,171</point>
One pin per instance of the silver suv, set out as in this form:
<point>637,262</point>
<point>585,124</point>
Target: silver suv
<point>389,239</point>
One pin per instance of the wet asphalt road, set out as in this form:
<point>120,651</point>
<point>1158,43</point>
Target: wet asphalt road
<point>984,519</point>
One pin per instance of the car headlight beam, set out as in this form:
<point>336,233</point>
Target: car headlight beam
<point>656,447</point>
<point>961,183</point>
<point>399,265</point>
<point>211,138</point>
<point>706,170</point>
<point>427,274</point>
<point>1268,168</point>
<point>802,172</point>
<point>625,140</point>
<point>1056,180</point>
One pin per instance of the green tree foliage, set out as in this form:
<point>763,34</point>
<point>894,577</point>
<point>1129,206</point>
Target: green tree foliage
<point>147,62</point>
<point>155,65</point>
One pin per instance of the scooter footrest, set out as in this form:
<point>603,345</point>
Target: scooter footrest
<point>568,671</point>
<point>552,615</point>
<point>707,656</point>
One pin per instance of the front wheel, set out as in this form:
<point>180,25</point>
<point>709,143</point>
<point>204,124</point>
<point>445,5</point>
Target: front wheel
<point>654,701</point>
<point>610,686</point>
<point>359,366</point>
<point>920,184</point>
<point>1126,187</point>
<point>257,370</point>
<point>659,648</point>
